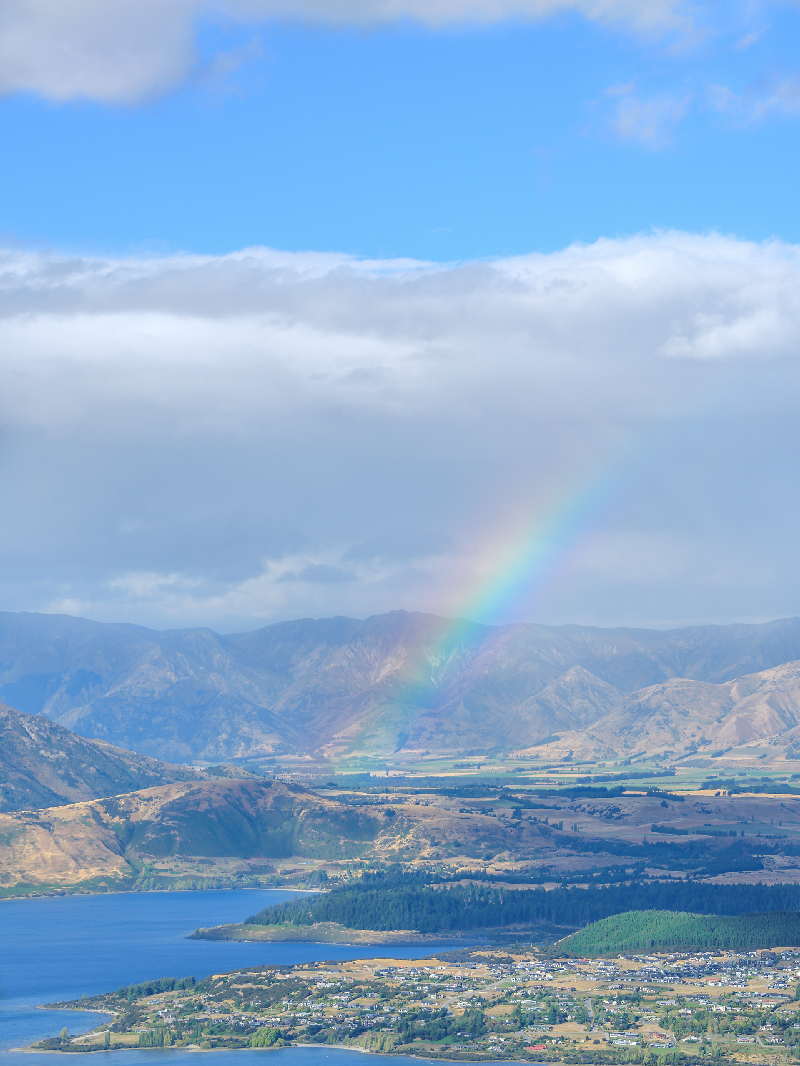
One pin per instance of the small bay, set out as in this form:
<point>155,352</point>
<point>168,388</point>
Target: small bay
<point>62,947</point>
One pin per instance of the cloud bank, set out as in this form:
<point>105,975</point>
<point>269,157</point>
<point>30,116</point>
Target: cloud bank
<point>237,439</point>
<point>121,51</point>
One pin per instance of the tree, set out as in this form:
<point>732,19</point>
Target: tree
<point>265,1037</point>
<point>65,1033</point>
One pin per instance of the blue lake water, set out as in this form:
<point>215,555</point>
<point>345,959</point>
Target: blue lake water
<point>57,948</point>
<point>296,1056</point>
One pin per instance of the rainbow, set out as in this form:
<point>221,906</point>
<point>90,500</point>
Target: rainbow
<point>519,569</point>
<point>527,561</point>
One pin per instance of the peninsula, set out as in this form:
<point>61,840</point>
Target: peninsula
<point>476,1004</point>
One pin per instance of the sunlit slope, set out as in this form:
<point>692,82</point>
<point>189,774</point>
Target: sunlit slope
<point>683,715</point>
<point>113,838</point>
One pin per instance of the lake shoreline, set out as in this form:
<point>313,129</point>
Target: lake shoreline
<point>428,1055</point>
<point>196,1049</point>
<point>67,892</point>
<point>58,948</point>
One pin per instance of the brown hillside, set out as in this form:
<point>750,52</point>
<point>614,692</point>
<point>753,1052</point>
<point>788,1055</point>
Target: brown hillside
<point>681,716</point>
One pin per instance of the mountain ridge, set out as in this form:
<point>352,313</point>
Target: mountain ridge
<point>402,681</point>
<point>682,715</point>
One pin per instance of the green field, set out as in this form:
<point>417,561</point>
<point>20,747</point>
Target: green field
<point>643,930</point>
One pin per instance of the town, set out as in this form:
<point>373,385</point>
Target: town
<point>475,1004</point>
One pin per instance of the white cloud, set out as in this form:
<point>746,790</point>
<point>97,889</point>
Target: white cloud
<point>120,51</point>
<point>224,440</point>
<point>777,95</point>
<point>110,50</point>
<point>649,120</point>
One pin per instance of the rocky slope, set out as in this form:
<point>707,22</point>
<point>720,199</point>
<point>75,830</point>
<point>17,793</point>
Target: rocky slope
<point>397,681</point>
<point>42,764</point>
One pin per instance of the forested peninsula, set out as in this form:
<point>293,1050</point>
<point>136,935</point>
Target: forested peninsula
<point>430,904</point>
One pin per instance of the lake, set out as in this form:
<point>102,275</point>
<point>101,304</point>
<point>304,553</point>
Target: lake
<point>56,948</point>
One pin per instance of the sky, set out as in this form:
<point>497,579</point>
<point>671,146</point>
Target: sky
<point>314,307</point>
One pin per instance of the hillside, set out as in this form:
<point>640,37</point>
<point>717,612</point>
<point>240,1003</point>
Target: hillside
<point>663,930</point>
<point>224,829</point>
<point>407,682</point>
<point>43,764</point>
<point>682,715</point>
<point>108,841</point>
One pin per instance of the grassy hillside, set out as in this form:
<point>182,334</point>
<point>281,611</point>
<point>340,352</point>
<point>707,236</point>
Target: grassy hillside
<point>223,828</point>
<point>642,930</point>
<point>244,819</point>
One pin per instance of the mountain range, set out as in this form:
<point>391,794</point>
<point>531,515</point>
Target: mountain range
<point>403,682</point>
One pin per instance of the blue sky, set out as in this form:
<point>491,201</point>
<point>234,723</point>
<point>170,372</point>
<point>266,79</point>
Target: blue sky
<point>458,141</point>
<point>478,307</point>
